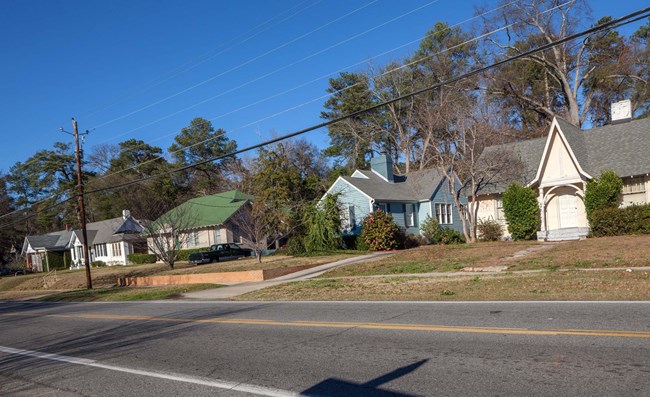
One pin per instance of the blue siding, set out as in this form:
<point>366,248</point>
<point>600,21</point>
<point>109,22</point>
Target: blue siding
<point>423,212</point>
<point>398,212</point>
<point>349,196</point>
<point>443,196</point>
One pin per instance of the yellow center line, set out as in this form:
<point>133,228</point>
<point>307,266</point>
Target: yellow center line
<point>361,325</point>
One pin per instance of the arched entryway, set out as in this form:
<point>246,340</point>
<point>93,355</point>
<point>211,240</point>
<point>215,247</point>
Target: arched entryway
<point>563,212</point>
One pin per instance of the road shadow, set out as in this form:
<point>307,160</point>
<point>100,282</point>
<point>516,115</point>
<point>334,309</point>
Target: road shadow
<point>334,387</point>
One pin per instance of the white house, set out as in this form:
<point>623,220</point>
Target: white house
<point>110,240</point>
<point>559,166</point>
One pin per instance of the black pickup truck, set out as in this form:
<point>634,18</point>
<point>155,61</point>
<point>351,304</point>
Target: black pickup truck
<point>220,252</point>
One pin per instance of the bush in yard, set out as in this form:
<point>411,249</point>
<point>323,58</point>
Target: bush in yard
<point>97,264</point>
<point>603,192</point>
<point>619,221</point>
<point>431,230</point>
<point>323,224</point>
<point>380,232</point>
<point>354,242</point>
<point>140,259</point>
<point>435,234</point>
<point>413,240</point>
<point>521,211</point>
<point>490,230</point>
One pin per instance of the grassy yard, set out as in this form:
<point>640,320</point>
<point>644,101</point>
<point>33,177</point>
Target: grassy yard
<point>558,285</point>
<point>105,278</point>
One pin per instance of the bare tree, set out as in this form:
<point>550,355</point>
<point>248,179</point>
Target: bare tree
<point>260,225</point>
<point>467,167</point>
<point>170,232</point>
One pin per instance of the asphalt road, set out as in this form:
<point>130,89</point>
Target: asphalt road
<point>179,348</point>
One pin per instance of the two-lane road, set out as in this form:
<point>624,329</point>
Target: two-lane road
<point>180,348</point>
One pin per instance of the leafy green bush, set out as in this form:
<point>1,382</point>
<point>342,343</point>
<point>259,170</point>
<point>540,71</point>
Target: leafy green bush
<point>355,242</point>
<point>603,192</point>
<point>435,234</point>
<point>431,230</point>
<point>183,255</point>
<point>296,246</point>
<point>490,230</point>
<point>139,259</point>
<point>323,224</point>
<point>97,264</point>
<point>450,236</point>
<point>619,221</point>
<point>380,232</point>
<point>521,211</point>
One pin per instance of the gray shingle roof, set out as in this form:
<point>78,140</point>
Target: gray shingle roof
<point>56,241</point>
<point>414,186</point>
<point>623,148</point>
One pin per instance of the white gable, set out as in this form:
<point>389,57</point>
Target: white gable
<point>358,174</point>
<point>558,164</point>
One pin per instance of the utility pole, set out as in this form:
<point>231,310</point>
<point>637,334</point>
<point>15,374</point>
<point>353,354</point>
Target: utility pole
<point>81,205</point>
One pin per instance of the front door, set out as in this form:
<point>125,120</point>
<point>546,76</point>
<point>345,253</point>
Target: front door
<point>568,211</point>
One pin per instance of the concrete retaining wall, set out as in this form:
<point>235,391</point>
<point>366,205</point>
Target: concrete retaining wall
<point>210,278</point>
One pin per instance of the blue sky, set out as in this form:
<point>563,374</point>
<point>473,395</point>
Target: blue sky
<point>125,69</point>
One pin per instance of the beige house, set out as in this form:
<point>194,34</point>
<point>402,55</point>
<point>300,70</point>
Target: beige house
<point>559,166</point>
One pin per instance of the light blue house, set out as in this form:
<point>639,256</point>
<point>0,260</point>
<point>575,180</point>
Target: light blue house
<point>409,198</point>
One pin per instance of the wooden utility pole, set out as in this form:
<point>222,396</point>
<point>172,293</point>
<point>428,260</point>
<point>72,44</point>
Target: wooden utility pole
<point>82,205</point>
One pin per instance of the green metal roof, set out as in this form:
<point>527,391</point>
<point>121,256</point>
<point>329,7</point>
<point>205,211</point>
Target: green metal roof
<point>211,210</point>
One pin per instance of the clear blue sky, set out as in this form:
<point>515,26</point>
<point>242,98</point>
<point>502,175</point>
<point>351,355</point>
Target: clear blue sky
<point>107,63</point>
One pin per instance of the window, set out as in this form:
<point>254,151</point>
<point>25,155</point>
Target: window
<point>100,250</point>
<point>352,217</point>
<point>383,207</point>
<point>634,185</point>
<point>217,236</point>
<point>499,214</point>
<point>409,215</point>
<point>117,249</point>
<point>192,239</point>
<point>443,214</point>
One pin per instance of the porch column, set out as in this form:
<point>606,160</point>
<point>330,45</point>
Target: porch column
<point>543,209</point>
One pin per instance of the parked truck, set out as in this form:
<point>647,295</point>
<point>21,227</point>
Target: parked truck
<point>220,252</point>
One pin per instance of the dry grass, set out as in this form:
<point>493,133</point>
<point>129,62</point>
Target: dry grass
<point>106,277</point>
<point>564,285</point>
<point>620,251</point>
<point>436,258</point>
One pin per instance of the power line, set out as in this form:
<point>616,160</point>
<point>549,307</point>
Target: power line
<point>314,80</point>
<point>627,19</point>
<point>206,56</point>
<point>237,67</point>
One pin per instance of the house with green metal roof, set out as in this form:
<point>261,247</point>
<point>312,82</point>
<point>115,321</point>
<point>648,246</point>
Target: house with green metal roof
<point>208,220</point>
<point>559,165</point>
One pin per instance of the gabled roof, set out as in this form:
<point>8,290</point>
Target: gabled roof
<point>56,241</point>
<point>211,210</point>
<point>110,230</point>
<point>623,148</point>
<point>413,186</point>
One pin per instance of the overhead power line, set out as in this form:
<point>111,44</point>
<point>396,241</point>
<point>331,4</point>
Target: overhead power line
<point>317,79</point>
<point>627,19</point>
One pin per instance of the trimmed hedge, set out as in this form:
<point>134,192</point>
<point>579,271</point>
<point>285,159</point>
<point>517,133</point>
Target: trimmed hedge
<point>521,211</point>
<point>619,221</point>
<point>140,259</point>
<point>183,255</point>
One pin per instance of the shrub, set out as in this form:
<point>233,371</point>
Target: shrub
<point>435,234</point>
<point>413,240</point>
<point>296,246</point>
<point>97,264</point>
<point>450,236</point>
<point>380,232</point>
<point>354,242</point>
<point>431,230</point>
<point>521,211</point>
<point>603,192</point>
<point>140,259</point>
<point>490,230</point>
<point>618,221</point>
<point>323,225</point>
<point>183,255</point>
